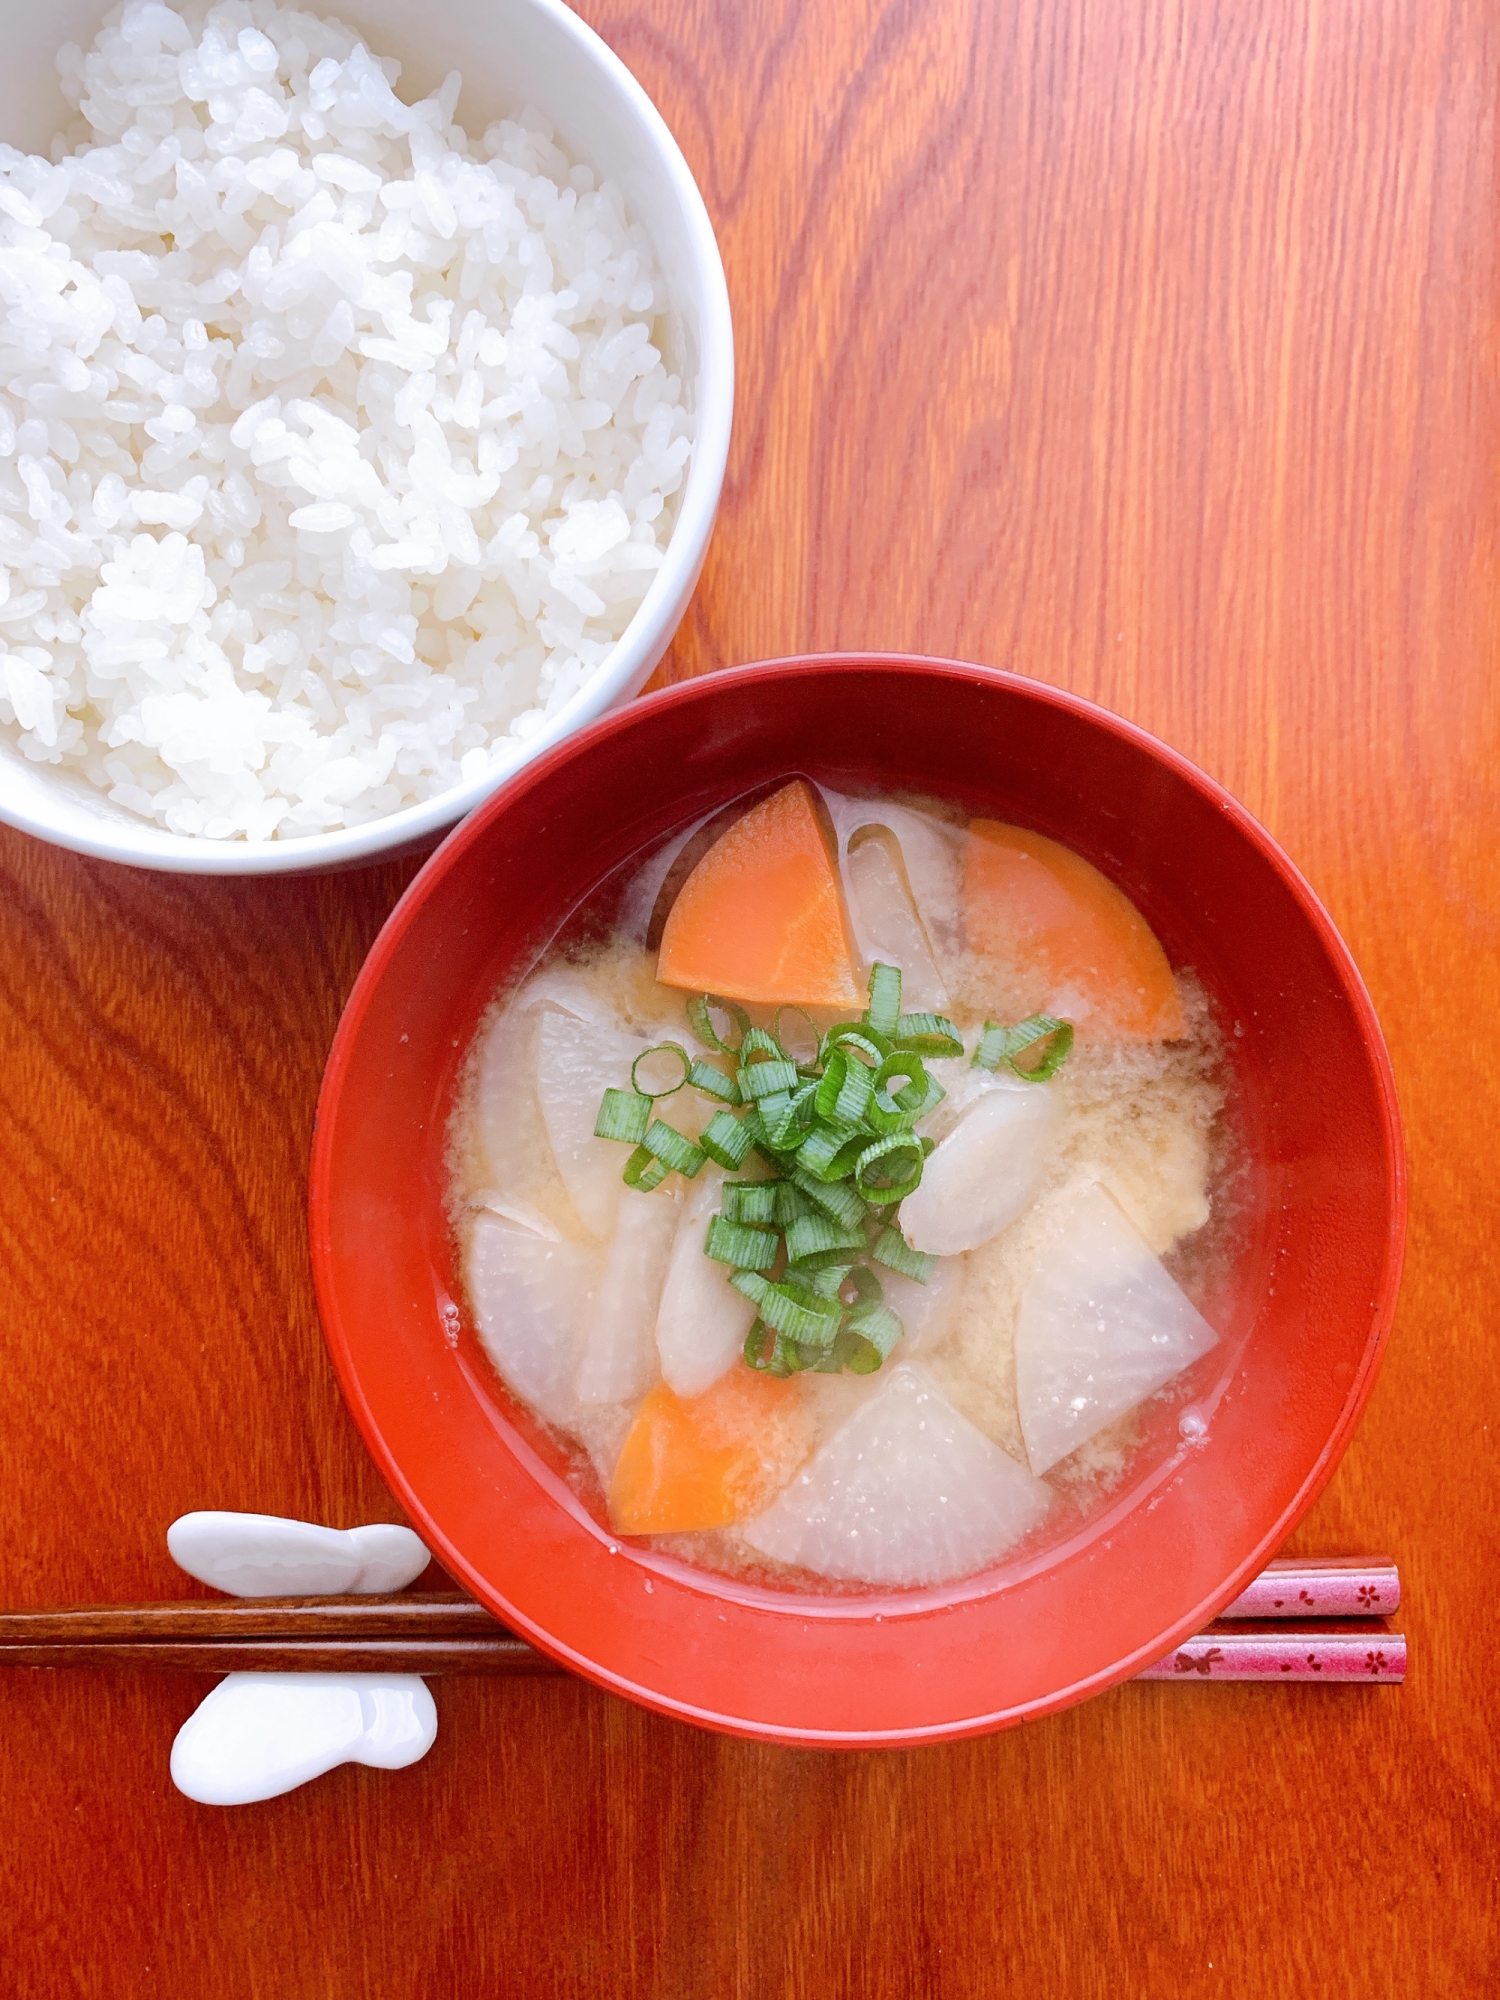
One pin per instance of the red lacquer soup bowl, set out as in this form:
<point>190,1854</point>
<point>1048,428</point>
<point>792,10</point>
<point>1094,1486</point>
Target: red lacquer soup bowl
<point>1303,1307</point>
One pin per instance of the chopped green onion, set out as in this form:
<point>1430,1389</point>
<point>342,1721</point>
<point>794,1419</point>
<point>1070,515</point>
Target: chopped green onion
<point>893,1250</point>
<point>714,1083</point>
<point>866,1285</point>
<point>884,1010</point>
<point>764,1079</point>
<point>661,1049</point>
<point>727,1140</point>
<point>750,1201</point>
<point>737,1243</point>
<point>932,1098</point>
<point>809,1235</point>
<point>761,1042</point>
<point>813,1029</point>
<point>795,1310</point>
<point>700,1012</point>
<point>879,1329</point>
<point>890,1169</point>
<point>904,1063</point>
<point>835,1198</point>
<point>858,1036</point>
<point>771,1352</point>
<point>623,1114</point>
<point>827,1280</point>
<point>854,1095</point>
<point>644,1171</point>
<point>787,1116</point>
<point>790,1203</point>
<point>989,1052</point>
<point>928,1035</point>
<point>669,1146</point>
<point>1037,1048</point>
<point>831,1151</point>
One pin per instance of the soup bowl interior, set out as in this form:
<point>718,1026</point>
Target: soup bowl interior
<point>1303,1305</point>
<point>512,54</point>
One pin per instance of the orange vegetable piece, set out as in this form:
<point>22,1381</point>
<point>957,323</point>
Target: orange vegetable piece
<point>760,917</point>
<point>1067,939</point>
<point>709,1460</point>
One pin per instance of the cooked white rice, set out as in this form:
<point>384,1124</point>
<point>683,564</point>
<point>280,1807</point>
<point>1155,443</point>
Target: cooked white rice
<point>334,448</point>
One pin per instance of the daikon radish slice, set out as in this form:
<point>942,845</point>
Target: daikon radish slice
<point>702,1321</point>
<point>1063,939</point>
<point>528,1292</point>
<point>577,1061</point>
<point>925,1310</point>
<point>760,917</point>
<point>984,1173</point>
<point>618,1359</point>
<point>907,1491</point>
<point>708,1461</point>
<point>931,861</point>
<point>1101,1326</point>
<point>885,920</point>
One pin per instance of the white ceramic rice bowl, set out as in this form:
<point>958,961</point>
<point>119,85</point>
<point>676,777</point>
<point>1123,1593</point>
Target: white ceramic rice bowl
<point>511,53</point>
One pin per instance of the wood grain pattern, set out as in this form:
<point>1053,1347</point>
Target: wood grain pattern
<point>1147,348</point>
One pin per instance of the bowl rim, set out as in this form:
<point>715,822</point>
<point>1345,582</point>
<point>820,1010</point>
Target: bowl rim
<point>628,666</point>
<point>1382,1305</point>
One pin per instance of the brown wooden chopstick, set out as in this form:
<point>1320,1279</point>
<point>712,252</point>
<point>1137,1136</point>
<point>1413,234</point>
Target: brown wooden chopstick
<point>448,1633</point>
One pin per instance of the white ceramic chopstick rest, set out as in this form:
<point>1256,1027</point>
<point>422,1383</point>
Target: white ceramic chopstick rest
<point>262,1555</point>
<point>258,1735</point>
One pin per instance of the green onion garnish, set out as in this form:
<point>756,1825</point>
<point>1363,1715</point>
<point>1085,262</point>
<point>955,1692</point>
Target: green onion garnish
<point>835,1198</point>
<point>879,1329</point>
<point>700,1012</point>
<point>669,1146</point>
<point>764,1079</point>
<point>1037,1048</point>
<point>893,1250</point>
<point>737,1243</point>
<point>661,1049</point>
<point>866,1285</point>
<point>727,1140</point>
<point>830,1151</point>
<point>644,1171</point>
<point>790,1203</point>
<point>827,1280</point>
<point>890,1169</point>
<point>884,1010</point>
<point>814,1034</point>
<point>928,1035</point>
<point>795,1310</point>
<point>714,1083</point>
<point>761,1042</point>
<point>623,1114</point>
<point>859,1038</point>
<point>750,1201</point>
<point>772,1353</point>
<point>989,1052</point>
<point>810,1235</point>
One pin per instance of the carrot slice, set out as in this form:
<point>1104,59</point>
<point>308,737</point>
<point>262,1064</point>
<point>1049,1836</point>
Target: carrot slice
<point>760,917</point>
<point>1063,937</point>
<point>706,1461</point>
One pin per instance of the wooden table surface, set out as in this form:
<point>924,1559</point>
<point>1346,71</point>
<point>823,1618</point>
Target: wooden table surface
<point>1147,348</point>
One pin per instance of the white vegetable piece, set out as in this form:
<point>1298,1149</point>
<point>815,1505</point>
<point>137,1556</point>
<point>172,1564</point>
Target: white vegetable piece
<point>258,1735</point>
<point>905,1492</point>
<point>263,1555</point>
<point>528,1292</point>
<point>932,865</point>
<point>887,925</point>
<point>984,1173</point>
<point>703,1320</point>
<point>1101,1326</point>
<point>618,1361</point>
<point>577,1061</point>
<point>924,1310</point>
